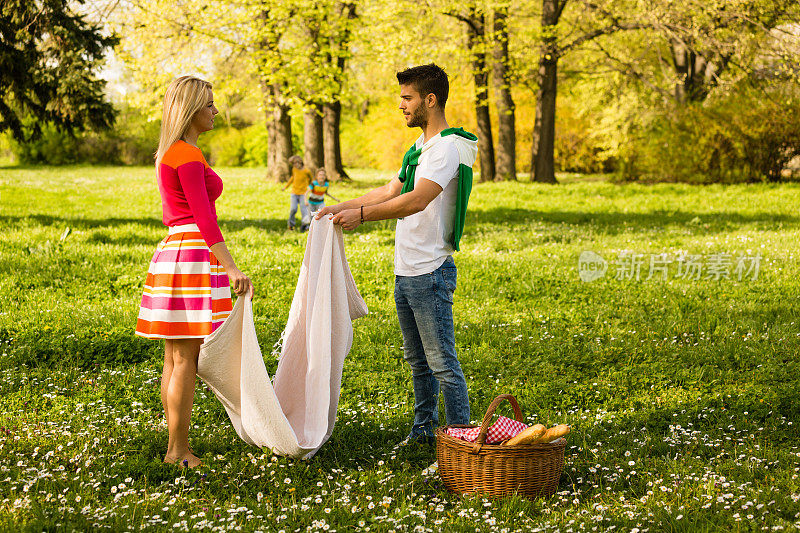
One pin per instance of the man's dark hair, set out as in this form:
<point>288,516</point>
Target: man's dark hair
<point>427,79</point>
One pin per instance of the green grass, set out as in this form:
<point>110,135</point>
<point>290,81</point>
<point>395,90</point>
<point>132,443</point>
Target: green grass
<point>682,394</point>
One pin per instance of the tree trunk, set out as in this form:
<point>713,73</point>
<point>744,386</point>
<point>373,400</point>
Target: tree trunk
<point>270,144</point>
<point>283,142</point>
<point>332,147</point>
<point>476,34</point>
<point>506,134</point>
<point>680,60</point>
<point>363,111</point>
<point>312,138</point>
<point>279,124</point>
<point>544,127</point>
<point>332,110</point>
<point>266,92</point>
<point>696,75</point>
<point>279,135</point>
<point>689,68</point>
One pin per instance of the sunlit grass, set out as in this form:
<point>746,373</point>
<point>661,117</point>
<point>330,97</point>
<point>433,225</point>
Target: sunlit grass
<point>682,393</point>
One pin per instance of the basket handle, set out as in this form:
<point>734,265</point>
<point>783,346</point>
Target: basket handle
<point>487,418</point>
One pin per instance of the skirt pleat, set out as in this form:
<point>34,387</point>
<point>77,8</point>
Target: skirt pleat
<point>186,293</point>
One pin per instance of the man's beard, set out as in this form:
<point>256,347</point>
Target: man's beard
<point>419,118</point>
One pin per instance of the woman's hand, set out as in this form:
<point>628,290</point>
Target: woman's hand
<point>240,284</point>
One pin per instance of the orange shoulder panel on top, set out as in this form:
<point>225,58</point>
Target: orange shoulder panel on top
<point>182,152</point>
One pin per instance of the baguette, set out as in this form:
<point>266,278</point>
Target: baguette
<point>554,433</point>
<point>527,436</point>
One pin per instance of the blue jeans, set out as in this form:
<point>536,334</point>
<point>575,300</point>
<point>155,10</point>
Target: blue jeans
<point>298,199</point>
<point>425,311</point>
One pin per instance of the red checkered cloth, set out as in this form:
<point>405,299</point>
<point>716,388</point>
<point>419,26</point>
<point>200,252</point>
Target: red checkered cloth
<point>504,428</point>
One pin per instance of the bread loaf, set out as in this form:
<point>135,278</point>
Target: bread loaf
<point>553,433</point>
<point>527,435</point>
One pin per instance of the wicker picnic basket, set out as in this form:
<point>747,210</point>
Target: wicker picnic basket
<point>531,470</point>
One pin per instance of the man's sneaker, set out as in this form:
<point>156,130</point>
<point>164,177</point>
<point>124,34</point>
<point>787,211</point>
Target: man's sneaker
<point>417,440</point>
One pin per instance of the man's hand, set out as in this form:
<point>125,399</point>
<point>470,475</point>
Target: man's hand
<point>329,210</point>
<point>348,219</point>
<point>373,197</point>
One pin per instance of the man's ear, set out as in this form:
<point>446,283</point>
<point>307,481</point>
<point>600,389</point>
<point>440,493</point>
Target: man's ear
<point>430,100</point>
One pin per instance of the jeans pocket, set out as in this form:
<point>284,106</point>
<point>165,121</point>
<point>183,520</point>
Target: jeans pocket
<point>450,278</point>
<point>415,287</point>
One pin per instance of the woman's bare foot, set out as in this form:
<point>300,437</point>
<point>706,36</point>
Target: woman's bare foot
<point>189,459</point>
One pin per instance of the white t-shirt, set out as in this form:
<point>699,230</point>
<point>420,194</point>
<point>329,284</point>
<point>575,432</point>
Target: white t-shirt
<point>424,240</point>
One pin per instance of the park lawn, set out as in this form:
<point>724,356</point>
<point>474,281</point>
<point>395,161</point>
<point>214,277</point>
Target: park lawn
<point>682,393</point>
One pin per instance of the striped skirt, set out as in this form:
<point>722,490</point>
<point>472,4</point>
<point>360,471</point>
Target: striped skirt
<point>187,294</point>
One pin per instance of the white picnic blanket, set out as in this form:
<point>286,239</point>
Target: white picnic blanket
<point>295,414</point>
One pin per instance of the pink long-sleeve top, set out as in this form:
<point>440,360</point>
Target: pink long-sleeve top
<point>189,189</point>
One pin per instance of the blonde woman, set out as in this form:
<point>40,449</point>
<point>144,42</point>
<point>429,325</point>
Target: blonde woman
<point>187,294</point>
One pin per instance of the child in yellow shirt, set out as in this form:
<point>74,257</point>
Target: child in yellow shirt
<point>301,178</point>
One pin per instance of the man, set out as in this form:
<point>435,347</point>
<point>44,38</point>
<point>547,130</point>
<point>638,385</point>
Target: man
<point>429,197</point>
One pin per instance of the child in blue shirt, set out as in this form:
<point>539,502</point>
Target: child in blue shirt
<point>317,190</point>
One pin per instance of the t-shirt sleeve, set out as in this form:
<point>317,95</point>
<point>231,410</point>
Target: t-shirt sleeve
<point>193,182</point>
<point>439,165</point>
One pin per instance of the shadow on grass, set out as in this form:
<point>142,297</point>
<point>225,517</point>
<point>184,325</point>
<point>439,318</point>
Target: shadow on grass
<point>65,348</point>
<point>127,239</point>
<point>619,222</point>
<point>273,225</point>
<point>80,222</point>
<point>358,445</point>
<point>609,223</point>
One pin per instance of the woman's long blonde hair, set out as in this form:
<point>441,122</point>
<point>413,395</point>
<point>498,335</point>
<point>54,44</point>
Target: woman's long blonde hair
<point>185,96</point>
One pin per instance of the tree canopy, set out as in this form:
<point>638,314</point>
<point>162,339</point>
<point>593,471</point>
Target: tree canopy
<point>578,85</point>
<point>48,58</point>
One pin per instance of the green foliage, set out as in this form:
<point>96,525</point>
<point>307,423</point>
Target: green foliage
<point>750,134</point>
<point>52,147</point>
<point>242,147</point>
<point>49,59</point>
<point>6,154</point>
<point>577,148</point>
<point>292,48</point>
<point>618,80</point>
<point>224,147</point>
<point>255,147</point>
<point>130,142</point>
